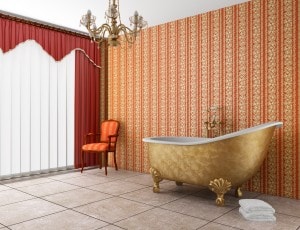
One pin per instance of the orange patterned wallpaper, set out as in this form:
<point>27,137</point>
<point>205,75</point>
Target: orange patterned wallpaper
<point>244,59</point>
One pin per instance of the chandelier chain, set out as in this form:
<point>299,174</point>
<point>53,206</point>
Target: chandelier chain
<point>119,12</point>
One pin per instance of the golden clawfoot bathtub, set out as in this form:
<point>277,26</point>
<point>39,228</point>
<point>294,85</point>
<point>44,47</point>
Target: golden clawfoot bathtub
<point>218,163</point>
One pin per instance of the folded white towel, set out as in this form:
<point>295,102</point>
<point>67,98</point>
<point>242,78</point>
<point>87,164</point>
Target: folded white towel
<point>257,215</point>
<point>250,205</point>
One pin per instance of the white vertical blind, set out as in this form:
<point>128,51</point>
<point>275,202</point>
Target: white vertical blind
<point>36,110</point>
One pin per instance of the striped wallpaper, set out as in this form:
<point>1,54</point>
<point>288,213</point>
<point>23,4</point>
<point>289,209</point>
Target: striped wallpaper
<point>244,59</point>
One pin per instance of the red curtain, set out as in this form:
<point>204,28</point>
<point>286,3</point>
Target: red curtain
<point>58,43</point>
<point>87,108</point>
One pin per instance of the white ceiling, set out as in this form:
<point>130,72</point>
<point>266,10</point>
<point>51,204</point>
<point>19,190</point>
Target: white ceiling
<point>67,13</point>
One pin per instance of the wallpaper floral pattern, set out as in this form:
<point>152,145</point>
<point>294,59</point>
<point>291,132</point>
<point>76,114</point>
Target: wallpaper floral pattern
<point>244,59</point>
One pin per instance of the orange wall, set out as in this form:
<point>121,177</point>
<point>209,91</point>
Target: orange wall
<point>243,58</point>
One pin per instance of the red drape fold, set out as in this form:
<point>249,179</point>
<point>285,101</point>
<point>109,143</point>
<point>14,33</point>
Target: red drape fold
<point>87,108</point>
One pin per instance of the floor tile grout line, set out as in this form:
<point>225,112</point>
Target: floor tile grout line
<point>54,213</point>
<point>32,198</point>
<point>109,222</point>
<point>111,225</point>
<point>224,214</point>
<point>152,208</point>
<point>30,185</point>
<point>119,195</point>
<point>120,179</point>
<point>39,175</point>
<point>36,196</point>
<point>111,196</point>
<point>44,175</point>
<point>158,207</point>
<point>111,177</point>
<point>90,216</point>
<point>191,215</point>
<point>63,178</point>
<point>155,206</point>
<point>4,226</point>
<point>89,203</point>
<point>65,209</point>
<point>42,197</point>
<point>4,185</point>
<point>136,201</point>
<point>47,177</point>
<point>211,222</point>
<point>81,186</point>
<point>183,214</point>
<point>108,173</point>
<point>284,214</point>
<point>88,187</point>
<point>36,218</point>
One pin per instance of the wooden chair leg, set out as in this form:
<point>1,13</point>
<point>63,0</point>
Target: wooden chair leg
<point>106,159</point>
<point>100,160</point>
<point>82,160</point>
<point>115,161</point>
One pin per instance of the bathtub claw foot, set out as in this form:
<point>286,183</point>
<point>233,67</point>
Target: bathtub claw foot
<point>220,187</point>
<point>156,189</point>
<point>238,192</point>
<point>156,179</point>
<point>178,183</point>
<point>220,200</point>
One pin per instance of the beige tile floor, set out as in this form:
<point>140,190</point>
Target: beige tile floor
<point>124,200</point>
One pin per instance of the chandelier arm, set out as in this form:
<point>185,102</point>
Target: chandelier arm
<point>102,28</point>
<point>99,39</point>
<point>130,35</point>
<point>98,34</point>
<point>125,29</point>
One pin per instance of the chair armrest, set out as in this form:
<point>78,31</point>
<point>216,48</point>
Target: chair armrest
<point>109,139</point>
<point>110,136</point>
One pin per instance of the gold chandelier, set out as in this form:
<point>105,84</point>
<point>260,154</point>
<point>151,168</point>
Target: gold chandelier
<point>113,28</point>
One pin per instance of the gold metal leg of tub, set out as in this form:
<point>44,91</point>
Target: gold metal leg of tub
<point>238,192</point>
<point>156,179</point>
<point>220,187</point>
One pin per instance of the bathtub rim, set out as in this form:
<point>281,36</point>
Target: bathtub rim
<point>201,140</point>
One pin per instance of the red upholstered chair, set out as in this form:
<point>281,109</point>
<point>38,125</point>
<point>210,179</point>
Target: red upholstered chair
<point>107,143</point>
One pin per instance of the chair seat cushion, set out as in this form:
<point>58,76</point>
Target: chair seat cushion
<point>95,147</point>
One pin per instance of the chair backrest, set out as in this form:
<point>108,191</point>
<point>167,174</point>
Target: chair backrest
<point>109,127</point>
